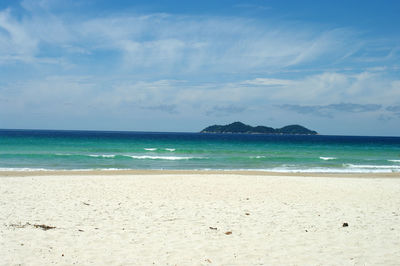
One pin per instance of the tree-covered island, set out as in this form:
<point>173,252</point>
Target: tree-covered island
<point>239,127</point>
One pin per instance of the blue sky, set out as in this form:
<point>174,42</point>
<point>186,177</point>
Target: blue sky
<point>333,66</point>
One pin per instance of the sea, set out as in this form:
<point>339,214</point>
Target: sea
<point>49,150</point>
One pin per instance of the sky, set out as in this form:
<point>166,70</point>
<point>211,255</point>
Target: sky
<point>332,66</point>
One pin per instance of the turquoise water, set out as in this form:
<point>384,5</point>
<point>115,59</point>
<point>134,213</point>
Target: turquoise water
<point>28,150</point>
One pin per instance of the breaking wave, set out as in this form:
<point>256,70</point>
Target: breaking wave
<point>103,155</point>
<point>141,157</point>
<point>376,167</point>
<point>171,158</point>
<point>327,158</point>
<point>257,157</point>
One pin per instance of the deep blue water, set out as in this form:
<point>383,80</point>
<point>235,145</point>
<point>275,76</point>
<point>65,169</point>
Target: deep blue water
<point>67,150</point>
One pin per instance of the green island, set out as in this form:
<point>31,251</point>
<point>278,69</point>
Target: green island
<point>241,128</point>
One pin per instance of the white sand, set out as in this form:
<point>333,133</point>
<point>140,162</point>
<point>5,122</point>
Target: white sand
<point>166,220</point>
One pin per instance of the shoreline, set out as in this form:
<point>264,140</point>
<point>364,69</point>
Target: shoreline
<point>191,172</point>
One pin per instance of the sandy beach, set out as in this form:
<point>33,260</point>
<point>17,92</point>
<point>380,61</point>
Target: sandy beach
<point>198,218</point>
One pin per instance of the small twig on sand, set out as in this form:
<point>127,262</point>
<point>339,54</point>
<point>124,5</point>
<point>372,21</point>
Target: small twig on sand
<point>42,226</point>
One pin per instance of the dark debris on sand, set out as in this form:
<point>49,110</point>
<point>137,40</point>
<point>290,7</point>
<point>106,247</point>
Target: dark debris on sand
<point>41,226</point>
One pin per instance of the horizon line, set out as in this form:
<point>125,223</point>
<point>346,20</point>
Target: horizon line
<point>184,132</point>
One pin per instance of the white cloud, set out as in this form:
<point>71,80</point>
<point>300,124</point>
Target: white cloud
<point>330,45</point>
<point>15,41</point>
<point>268,82</point>
<point>261,93</point>
<point>330,87</point>
<point>79,98</point>
<point>171,43</point>
<point>52,95</point>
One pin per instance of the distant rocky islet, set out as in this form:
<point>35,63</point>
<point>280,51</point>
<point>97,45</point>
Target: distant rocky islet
<point>241,128</point>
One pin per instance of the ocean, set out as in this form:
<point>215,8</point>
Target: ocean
<point>30,150</point>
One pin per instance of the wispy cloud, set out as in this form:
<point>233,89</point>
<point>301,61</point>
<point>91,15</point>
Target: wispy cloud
<point>166,108</point>
<point>169,43</point>
<point>321,95</point>
<point>394,110</point>
<point>268,82</point>
<point>251,6</point>
<point>330,87</point>
<point>15,41</point>
<point>225,110</point>
<point>330,109</point>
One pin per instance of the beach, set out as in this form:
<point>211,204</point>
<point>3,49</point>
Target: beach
<point>198,218</point>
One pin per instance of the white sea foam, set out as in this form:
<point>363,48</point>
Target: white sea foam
<point>89,169</point>
<point>90,155</point>
<point>150,149</point>
<point>327,158</point>
<point>367,166</point>
<point>318,170</point>
<point>112,169</point>
<point>277,170</point>
<point>394,161</point>
<point>171,158</point>
<point>257,157</point>
<point>60,170</point>
<point>168,149</point>
<point>103,155</point>
<point>301,170</point>
<point>24,169</point>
